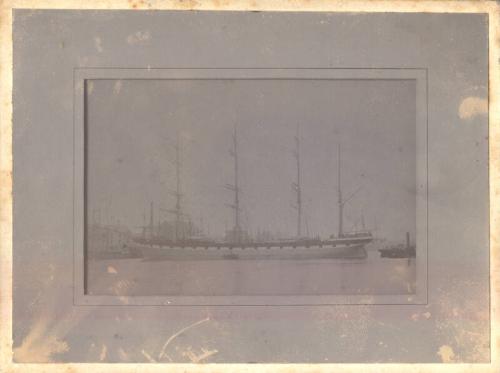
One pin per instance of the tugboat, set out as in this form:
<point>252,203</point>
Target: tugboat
<point>399,251</point>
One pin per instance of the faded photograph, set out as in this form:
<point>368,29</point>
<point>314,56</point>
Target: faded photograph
<point>250,187</point>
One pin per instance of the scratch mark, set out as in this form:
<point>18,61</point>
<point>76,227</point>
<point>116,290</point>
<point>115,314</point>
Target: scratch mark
<point>104,352</point>
<point>123,355</point>
<point>148,357</point>
<point>138,37</point>
<point>198,358</point>
<point>117,87</point>
<point>98,44</point>
<point>175,335</point>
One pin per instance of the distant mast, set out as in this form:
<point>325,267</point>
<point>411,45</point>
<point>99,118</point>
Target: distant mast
<point>297,185</point>
<point>151,220</point>
<point>177,210</point>
<point>236,184</point>
<point>144,224</point>
<point>177,193</point>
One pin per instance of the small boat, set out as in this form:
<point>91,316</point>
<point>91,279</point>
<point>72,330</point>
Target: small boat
<point>399,251</point>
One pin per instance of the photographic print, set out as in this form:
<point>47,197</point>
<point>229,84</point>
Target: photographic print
<point>251,186</point>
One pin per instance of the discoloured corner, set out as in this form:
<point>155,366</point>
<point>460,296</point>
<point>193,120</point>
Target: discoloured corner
<point>446,354</point>
<point>41,351</point>
<point>471,107</point>
<point>48,330</point>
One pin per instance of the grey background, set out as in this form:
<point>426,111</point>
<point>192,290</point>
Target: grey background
<point>131,133</point>
<point>49,44</point>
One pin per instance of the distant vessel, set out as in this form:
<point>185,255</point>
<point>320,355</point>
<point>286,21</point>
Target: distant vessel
<point>238,244</point>
<point>399,251</point>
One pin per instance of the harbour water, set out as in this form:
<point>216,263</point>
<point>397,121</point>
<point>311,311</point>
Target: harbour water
<point>372,275</point>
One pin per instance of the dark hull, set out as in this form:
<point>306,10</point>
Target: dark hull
<point>396,253</point>
<point>288,243</point>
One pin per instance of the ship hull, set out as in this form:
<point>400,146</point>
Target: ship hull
<point>153,252</point>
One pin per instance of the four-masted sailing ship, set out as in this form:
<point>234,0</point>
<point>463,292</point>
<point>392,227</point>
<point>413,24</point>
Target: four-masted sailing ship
<point>185,242</point>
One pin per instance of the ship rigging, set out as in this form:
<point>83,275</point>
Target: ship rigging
<point>238,238</point>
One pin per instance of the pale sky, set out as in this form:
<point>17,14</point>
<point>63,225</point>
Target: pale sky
<point>131,131</point>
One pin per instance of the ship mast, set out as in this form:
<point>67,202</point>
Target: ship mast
<point>235,188</point>
<point>340,200</point>
<point>297,185</point>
